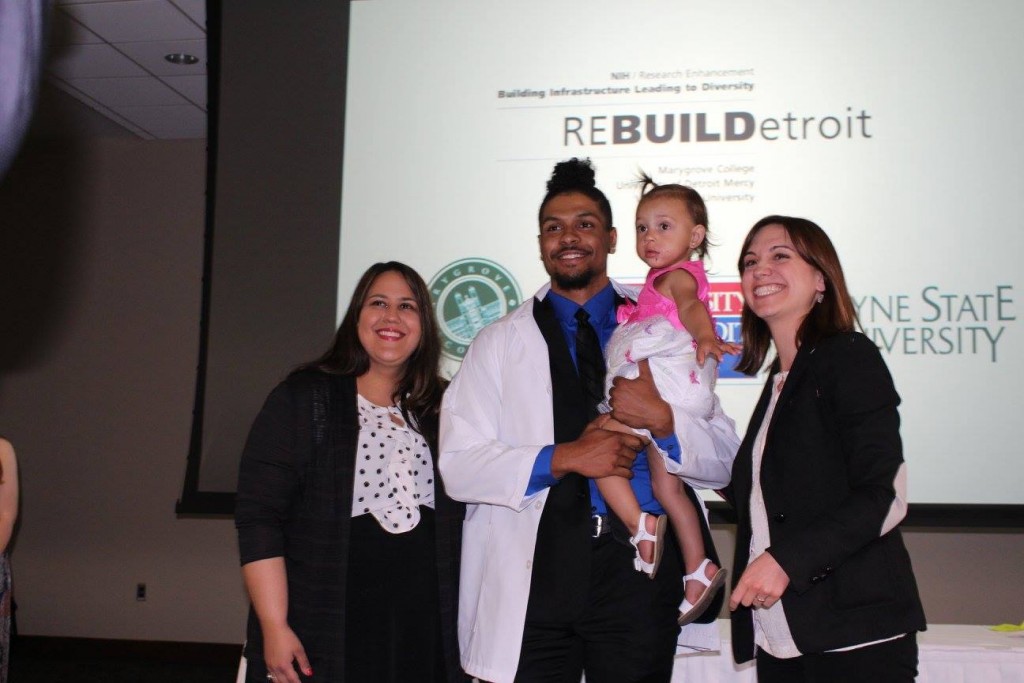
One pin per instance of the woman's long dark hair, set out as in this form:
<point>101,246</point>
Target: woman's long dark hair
<point>420,388</point>
<point>836,312</point>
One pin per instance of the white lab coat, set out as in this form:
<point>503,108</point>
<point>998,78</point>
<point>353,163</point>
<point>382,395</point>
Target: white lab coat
<point>495,419</point>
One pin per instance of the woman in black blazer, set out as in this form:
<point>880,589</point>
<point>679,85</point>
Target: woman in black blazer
<point>349,546</point>
<point>825,590</point>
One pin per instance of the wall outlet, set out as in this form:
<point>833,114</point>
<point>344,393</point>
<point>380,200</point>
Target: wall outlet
<point>140,592</point>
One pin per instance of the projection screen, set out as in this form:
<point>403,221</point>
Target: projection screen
<point>892,125</point>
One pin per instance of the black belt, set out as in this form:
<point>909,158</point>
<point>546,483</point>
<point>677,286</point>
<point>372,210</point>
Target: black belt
<point>600,525</point>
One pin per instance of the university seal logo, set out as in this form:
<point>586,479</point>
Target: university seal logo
<point>469,295</point>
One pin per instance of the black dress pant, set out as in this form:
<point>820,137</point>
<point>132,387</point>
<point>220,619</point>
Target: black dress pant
<point>627,632</point>
<point>393,623</point>
<point>894,661</point>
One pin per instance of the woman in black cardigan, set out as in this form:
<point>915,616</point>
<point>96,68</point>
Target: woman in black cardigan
<point>825,590</point>
<point>349,547</point>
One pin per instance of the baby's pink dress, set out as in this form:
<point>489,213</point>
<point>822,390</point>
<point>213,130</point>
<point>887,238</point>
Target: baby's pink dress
<point>650,329</point>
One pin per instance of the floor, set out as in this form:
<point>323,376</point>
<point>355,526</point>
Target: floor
<point>36,667</point>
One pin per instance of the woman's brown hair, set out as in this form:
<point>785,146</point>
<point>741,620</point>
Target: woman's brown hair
<point>420,388</point>
<point>833,315</point>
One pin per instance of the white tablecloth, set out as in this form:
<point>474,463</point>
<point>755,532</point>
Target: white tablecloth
<point>949,653</point>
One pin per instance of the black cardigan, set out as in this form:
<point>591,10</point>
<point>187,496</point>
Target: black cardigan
<point>830,459</point>
<point>295,501</point>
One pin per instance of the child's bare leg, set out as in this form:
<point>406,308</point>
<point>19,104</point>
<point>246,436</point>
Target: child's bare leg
<point>668,489</point>
<point>614,425</point>
<point>618,494</point>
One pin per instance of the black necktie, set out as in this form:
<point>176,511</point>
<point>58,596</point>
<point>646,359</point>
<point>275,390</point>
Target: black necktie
<point>589,362</point>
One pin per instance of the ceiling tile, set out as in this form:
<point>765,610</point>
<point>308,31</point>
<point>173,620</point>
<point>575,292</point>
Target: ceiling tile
<point>196,9</point>
<point>91,61</point>
<point>136,20</point>
<point>150,56</point>
<point>110,55</point>
<point>115,92</point>
<point>192,87</point>
<point>184,121</point>
<point>66,31</point>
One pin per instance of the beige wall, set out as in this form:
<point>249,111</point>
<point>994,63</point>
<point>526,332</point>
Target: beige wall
<point>97,398</point>
<point>101,260</point>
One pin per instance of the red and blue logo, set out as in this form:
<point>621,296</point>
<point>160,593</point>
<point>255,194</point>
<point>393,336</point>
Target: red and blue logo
<point>726,303</point>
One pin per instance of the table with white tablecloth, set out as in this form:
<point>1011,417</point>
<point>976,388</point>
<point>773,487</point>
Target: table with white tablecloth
<point>949,653</point>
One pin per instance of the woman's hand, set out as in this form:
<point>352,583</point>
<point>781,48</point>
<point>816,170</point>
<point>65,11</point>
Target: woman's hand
<point>281,647</point>
<point>267,583</point>
<point>761,585</point>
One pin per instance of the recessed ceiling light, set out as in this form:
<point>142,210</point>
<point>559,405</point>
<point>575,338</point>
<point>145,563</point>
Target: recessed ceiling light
<point>181,58</point>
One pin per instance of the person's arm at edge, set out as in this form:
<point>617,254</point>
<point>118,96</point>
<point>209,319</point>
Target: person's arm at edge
<point>8,493</point>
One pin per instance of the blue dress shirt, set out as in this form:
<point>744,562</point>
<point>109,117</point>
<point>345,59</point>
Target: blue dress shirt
<point>601,308</point>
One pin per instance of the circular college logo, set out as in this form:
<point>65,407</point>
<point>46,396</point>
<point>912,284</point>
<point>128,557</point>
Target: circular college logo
<point>468,295</point>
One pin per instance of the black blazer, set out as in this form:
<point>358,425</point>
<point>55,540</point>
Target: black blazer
<point>295,500</point>
<point>831,456</point>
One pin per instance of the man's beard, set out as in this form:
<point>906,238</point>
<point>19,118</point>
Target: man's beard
<point>578,280</point>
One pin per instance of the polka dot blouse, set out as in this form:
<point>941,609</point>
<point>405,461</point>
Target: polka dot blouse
<point>394,472</point>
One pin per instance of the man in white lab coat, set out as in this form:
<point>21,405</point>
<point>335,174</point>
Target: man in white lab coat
<point>547,592</point>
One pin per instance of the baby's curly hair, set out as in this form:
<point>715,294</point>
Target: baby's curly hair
<point>687,195</point>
